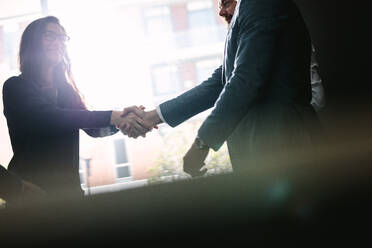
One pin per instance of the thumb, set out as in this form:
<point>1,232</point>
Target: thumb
<point>126,111</point>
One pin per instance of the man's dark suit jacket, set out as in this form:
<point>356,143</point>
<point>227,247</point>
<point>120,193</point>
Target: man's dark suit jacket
<point>261,94</point>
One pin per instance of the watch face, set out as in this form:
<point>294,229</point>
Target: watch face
<point>199,144</point>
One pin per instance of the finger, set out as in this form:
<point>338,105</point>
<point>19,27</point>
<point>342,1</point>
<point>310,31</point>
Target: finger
<point>124,127</point>
<point>127,110</point>
<point>133,109</point>
<point>139,129</point>
<point>144,124</point>
<point>135,129</point>
<point>124,131</point>
<point>130,133</point>
<point>138,125</point>
<point>138,111</point>
<point>134,134</point>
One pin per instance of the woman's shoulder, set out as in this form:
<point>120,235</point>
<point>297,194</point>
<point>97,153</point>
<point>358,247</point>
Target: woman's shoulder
<point>14,81</point>
<point>17,85</point>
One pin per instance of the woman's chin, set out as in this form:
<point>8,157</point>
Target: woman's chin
<point>54,61</point>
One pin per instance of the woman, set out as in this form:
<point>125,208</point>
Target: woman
<point>45,111</point>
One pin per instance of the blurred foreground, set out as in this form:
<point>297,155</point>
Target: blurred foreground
<point>325,199</point>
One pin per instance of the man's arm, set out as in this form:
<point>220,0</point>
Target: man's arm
<point>194,101</point>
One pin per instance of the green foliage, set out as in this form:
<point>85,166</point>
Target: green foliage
<point>177,141</point>
<point>2,204</point>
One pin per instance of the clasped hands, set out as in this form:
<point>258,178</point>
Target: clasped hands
<point>134,121</point>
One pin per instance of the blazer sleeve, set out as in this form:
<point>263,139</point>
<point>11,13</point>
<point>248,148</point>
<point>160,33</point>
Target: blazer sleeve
<point>252,68</point>
<point>101,132</point>
<point>23,106</point>
<point>194,101</point>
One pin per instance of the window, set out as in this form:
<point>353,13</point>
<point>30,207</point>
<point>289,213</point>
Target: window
<point>123,171</point>
<point>165,79</point>
<point>201,14</point>
<point>121,159</point>
<point>158,20</point>
<point>84,168</point>
<point>120,152</point>
<point>205,68</point>
<point>202,22</point>
<point>10,39</point>
<point>11,9</point>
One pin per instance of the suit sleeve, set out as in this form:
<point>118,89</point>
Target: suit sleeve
<point>194,101</point>
<point>252,68</point>
<point>23,106</point>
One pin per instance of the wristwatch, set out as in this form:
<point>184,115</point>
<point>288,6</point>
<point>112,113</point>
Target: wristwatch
<point>200,144</point>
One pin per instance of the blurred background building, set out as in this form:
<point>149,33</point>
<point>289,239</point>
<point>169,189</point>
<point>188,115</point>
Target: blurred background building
<point>123,53</point>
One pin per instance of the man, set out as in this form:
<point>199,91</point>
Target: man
<point>261,94</point>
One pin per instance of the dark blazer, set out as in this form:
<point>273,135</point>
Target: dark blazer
<point>10,185</point>
<point>44,132</point>
<point>261,94</point>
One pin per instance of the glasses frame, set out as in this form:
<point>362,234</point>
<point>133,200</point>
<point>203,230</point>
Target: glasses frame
<point>52,36</point>
<point>225,4</point>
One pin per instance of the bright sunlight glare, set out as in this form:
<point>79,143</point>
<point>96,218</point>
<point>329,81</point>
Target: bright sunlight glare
<point>109,57</point>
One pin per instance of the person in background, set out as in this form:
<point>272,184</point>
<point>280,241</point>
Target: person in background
<point>44,112</point>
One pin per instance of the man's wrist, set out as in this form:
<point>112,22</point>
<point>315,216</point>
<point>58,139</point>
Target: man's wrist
<point>199,143</point>
<point>160,115</point>
<point>154,117</point>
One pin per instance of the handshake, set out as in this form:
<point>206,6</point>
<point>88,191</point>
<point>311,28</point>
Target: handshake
<point>134,121</point>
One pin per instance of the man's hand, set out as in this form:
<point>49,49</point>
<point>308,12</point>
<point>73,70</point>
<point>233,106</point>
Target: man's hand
<point>193,161</point>
<point>130,124</point>
<point>151,118</point>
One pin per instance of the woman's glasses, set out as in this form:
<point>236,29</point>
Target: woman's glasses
<point>51,36</point>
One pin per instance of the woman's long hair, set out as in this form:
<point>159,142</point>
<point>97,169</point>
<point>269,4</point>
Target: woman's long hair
<point>31,56</point>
